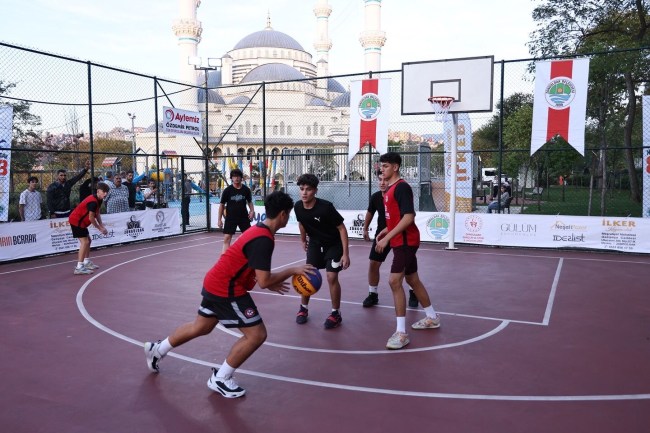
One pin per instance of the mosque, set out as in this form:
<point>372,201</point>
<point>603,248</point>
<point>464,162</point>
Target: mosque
<point>307,112</point>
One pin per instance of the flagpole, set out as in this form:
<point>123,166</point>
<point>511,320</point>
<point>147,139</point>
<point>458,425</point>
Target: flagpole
<point>454,170</point>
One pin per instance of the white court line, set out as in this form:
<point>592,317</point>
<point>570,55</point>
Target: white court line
<point>551,297</point>
<point>337,386</point>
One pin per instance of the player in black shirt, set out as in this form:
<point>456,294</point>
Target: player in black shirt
<point>234,200</point>
<point>325,239</point>
<point>376,205</point>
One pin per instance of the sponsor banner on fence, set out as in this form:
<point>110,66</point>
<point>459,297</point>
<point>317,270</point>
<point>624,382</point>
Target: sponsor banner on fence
<point>35,238</point>
<point>177,121</point>
<point>6,134</point>
<point>645,203</point>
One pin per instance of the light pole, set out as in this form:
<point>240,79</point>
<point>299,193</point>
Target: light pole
<point>132,117</point>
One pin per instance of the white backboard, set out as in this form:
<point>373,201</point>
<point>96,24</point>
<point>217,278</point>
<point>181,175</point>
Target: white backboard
<point>468,80</point>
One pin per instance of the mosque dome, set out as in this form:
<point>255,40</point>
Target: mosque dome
<point>272,72</point>
<point>334,86</point>
<point>213,97</point>
<point>268,38</point>
<point>317,102</point>
<point>342,100</point>
<point>241,99</point>
<point>214,78</point>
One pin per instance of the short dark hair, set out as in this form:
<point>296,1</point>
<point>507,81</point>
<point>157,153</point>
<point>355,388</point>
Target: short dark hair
<point>391,158</point>
<point>129,172</point>
<point>32,178</point>
<point>277,202</point>
<point>307,179</point>
<point>102,186</point>
<point>236,172</point>
<point>61,170</point>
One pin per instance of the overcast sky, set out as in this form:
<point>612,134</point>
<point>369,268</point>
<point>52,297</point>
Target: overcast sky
<point>137,35</point>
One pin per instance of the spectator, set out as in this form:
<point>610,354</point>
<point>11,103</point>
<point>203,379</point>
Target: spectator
<point>130,182</point>
<point>139,198</point>
<point>58,193</point>
<point>85,189</point>
<point>151,195</point>
<point>187,196</point>
<point>108,179</point>
<point>117,199</point>
<point>29,205</point>
<point>499,201</point>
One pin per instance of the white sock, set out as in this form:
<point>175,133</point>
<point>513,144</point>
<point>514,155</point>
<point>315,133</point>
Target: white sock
<point>226,371</point>
<point>401,324</point>
<point>372,289</point>
<point>430,312</point>
<point>80,265</point>
<point>164,347</point>
<point>304,306</point>
<point>86,261</point>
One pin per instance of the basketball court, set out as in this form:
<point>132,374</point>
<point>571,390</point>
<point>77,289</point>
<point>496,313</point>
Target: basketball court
<point>531,340</point>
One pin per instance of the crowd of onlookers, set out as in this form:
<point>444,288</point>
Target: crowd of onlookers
<point>127,192</point>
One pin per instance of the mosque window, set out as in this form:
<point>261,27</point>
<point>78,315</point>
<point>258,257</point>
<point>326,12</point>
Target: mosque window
<point>288,129</point>
<point>275,129</point>
<point>285,151</point>
<point>308,154</point>
<point>315,128</point>
<point>259,153</point>
<point>309,130</point>
<point>240,153</point>
<point>241,129</point>
<point>281,128</point>
<point>274,152</point>
<point>250,153</point>
<point>248,127</point>
<point>255,129</point>
<point>322,130</point>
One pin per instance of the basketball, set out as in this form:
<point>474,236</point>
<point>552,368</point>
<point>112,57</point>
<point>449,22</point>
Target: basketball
<point>307,284</point>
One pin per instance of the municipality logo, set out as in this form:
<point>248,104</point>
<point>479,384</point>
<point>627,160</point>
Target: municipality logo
<point>560,92</point>
<point>438,226</point>
<point>369,107</point>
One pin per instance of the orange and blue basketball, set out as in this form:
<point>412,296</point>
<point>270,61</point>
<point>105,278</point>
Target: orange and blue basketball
<point>307,284</point>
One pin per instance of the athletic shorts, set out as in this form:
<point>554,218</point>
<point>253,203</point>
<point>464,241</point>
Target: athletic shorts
<point>78,232</point>
<point>239,312</point>
<point>323,257</point>
<point>378,257</point>
<point>404,260</point>
<point>230,226</point>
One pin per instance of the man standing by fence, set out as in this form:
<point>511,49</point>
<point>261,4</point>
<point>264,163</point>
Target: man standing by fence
<point>29,204</point>
<point>58,193</point>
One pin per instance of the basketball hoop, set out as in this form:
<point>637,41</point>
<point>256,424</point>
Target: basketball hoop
<point>441,106</point>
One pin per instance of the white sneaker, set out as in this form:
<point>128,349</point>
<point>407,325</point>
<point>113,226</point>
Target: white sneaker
<point>427,323</point>
<point>82,271</point>
<point>226,387</point>
<point>397,341</point>
<point>90,265</point>
<point>153,356</point>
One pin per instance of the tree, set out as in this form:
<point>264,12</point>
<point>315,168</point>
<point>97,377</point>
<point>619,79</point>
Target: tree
<point>573,27</point>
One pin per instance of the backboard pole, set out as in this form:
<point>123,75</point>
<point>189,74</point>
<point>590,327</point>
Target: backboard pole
<point>453,175</point>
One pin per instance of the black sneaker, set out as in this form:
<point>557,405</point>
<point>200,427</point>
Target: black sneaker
<point>301,317</point>
<point>371,300</point>
<point>226,387</point>
<point>413,300</point>
<point>333,320</point>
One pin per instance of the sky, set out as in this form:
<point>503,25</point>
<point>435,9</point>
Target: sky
<point>136,35</point>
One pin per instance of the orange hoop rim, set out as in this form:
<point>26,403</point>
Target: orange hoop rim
<point>443,101</point>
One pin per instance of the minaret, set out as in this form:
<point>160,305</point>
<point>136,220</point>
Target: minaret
<point>188,31</point>
<point>372,38</point>
<point>323,43</point>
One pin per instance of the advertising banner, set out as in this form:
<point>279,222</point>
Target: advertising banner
<point>6,134</point>
<point>177,121</point>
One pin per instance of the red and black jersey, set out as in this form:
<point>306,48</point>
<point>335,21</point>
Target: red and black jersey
<point>398,201</point>
<point>234,274</point>
<point>80,216</point>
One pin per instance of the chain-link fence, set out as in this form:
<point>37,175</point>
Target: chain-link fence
<point>67,111</point>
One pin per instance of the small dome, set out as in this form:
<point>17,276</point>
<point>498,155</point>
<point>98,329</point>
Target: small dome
<point>272,72</point>
<point>240,100</point>
<point>342,100</point>
<point>318,102</point>
<point>213,97</point>
<point>268,38</point>
<point>334,86</point>
<point>152,127</point>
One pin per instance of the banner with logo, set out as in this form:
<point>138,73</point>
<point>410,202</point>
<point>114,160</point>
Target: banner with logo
<point>560,103</point>
<point>6,135</point>
<point>464,173</point>
<point>35,238</point>
<point>645,206</point>
<point>177,121</point>
<point>369,115</point>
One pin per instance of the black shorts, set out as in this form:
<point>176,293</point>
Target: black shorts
<point>378,257</point>
<point>230,226</point>
<point>239,312</point>
<point>404,260</point>
<point>78,232</point>
<point>321,257</point>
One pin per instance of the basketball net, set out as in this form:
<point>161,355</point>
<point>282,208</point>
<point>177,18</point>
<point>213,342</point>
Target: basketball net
<point>441,106</point>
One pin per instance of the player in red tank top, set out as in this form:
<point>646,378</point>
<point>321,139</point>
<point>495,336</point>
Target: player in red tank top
<point>404,237</point>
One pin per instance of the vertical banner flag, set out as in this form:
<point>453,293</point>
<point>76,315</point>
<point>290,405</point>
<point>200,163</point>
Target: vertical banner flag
<point>369,115</point>
<point>646,156</point>
<point>6,134</point>
<point>464,159</point>
<point>560,104</point>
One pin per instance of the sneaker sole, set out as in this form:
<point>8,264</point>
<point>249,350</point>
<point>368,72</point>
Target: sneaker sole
<point>398,348</point>
<point>216,389</point>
